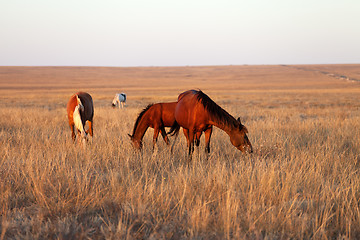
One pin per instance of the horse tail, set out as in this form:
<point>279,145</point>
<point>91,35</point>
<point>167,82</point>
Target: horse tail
<point>174,130</point>
<point>79,109</point>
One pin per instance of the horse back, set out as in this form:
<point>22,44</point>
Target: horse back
<point>190,112</point>
<point>87,102</point>
<point>187,93</point>
<point>123,95</point>
<point>160,114</point>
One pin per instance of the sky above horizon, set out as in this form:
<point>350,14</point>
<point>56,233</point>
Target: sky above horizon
<point>178,33</point>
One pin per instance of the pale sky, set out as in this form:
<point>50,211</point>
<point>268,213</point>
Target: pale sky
<point>178,33</point>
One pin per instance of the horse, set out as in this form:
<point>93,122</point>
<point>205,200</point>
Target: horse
<point>80,108</point>
<point>196,112</point>
<point>157,116</point>
<point>120,99</point>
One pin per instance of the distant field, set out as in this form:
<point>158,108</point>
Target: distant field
<point>302,181</point>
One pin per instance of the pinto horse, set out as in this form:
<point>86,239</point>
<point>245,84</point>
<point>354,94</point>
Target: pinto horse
<point>157,116</point>
<point>196,112</point>
<point>120,99</point>
<point>80,109</point>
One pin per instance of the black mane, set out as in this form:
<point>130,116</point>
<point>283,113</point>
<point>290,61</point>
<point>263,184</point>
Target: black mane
<point>140,116</point>
<point>215,110</point>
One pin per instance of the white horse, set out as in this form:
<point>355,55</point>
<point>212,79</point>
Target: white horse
<point>120,98</point>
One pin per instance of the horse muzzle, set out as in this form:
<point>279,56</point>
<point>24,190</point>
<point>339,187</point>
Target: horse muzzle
<point>249,149</point>
<point>246,149</point>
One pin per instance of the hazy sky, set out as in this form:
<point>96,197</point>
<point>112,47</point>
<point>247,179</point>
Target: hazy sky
<point>178,33</point>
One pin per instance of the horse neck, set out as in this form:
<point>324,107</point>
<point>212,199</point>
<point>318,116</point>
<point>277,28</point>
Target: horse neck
<point>227,123</point>
<point>140,130</point>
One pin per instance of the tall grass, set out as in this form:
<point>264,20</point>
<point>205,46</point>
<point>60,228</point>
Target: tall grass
<point>302,181</point>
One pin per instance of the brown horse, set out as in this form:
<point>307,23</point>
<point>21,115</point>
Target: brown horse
<point>196,112</point>
<point>80,109</point>
<point>157,116</point>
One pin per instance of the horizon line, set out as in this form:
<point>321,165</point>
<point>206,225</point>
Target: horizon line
<point>205,65</point>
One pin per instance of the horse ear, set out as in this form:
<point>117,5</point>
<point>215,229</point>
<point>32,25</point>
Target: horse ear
<point>239,120</point>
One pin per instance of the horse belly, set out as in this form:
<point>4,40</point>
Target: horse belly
<point>168,119</point>
<point>169,122</point>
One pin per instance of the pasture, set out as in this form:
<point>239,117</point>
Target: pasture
<point>301,181</point>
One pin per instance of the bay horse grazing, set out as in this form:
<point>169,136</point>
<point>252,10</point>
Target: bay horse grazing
<point>80,109</point>
<point>157,116</point>
<point>196,112</point>
<point>120,99</point>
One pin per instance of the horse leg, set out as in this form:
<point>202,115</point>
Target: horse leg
<point>156,134</point>
<point>208,133</point>
<point>174,141</point>
<point>78,135</point>
<point>186,133</point>
<point>90,130</point>
<point>197,138</point>
<point>191,141</point>
<point>73,135</point>
<point>163,134</point>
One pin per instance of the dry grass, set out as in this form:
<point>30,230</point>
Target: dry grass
<point>302,181</point>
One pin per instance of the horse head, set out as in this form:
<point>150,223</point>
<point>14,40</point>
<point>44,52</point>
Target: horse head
<point>113,104</point>
<point>137,143</point>
<point>239,138</point>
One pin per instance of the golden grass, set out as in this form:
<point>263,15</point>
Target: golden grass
<point>302,181</point>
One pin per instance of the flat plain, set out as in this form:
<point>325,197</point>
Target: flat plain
<point>301,182</point>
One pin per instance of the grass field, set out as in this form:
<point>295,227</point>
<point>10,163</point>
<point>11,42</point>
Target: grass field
<point>301,182</point>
